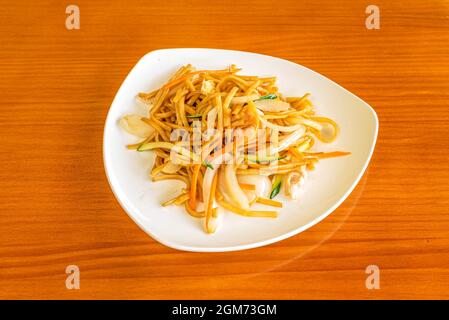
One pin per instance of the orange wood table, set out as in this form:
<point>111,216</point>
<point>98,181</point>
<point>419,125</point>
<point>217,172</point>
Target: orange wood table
<point>57,209</point>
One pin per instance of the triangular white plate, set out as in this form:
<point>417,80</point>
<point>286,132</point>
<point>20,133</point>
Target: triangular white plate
<point>325,189</point>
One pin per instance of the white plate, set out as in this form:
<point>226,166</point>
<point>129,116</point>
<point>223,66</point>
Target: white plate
<point>326,188</point>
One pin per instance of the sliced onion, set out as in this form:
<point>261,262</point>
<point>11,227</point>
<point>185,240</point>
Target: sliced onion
<point>134,125</point>
<point>262,183</point>
<point>171,168</point>
<point>310,123</point>
<point>287,141</point>
<point>232,188</point>
<point>272,105</point>
<point>325,129</point>
<point>143,105</point>
<point>214,222</point>
<point>281,128</point>
<point>209,176</point>
<point>221,186</point>
<point>207,183</point>
<point>278,127</point>
<point>293,182</point>
<point>244,99</point>
<point>306,144</point>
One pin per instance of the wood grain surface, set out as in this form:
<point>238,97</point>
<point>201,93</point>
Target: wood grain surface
<point>57,209</point>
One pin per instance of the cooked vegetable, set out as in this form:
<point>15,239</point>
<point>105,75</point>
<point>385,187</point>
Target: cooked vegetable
<point>262,186</point>
<point>325,129</point>
<point>276,186</point>
<point>244,99</point>
<point>268,96</point>
<point>286,141</point>
<point>207,165</point>
<point>293,182</point>
<point>263,158</point>
<point>134,125</point>
<point>232,187</point>
<point>272,105</point>
<point>170,146</point>
<point>170,168</point>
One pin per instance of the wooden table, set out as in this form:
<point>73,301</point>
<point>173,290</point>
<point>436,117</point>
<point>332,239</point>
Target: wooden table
<point>56,206</point>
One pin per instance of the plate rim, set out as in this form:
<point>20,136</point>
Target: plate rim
<point>256,244</point>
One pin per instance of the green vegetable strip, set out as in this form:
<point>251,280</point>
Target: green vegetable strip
<point>208,165</point>
<point>276,187</point>
<point>270,96</point>
<point>263,159</point>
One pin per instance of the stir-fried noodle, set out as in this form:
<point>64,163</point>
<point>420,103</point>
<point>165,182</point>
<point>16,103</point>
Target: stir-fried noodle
<point>234,140</point>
